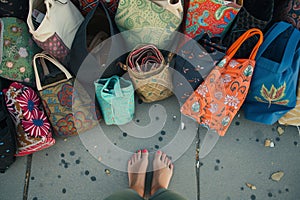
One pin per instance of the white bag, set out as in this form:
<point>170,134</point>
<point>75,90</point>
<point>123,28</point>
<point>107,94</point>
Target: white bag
<point>57,29</point>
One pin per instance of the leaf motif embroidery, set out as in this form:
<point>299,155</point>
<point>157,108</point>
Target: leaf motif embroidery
<point>274,95</point>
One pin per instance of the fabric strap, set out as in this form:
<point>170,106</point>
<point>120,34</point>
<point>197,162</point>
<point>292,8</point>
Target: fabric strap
<point>43,56</point>
<point>238,43</point>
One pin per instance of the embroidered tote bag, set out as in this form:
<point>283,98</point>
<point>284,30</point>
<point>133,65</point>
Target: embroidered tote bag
<point>149,23</point>
<point>150,74</point>
<point>116,98</point>
<point>33,128</point>
<point>16,50</point>
<point>210,16</point>
<point>55,25</point>
<point>274,86</point>
<point>7,137</point>
<point>60,97</point>
<point>217,100</point>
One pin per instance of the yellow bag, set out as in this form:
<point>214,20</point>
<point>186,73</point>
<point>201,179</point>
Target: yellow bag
<point>293,116</point>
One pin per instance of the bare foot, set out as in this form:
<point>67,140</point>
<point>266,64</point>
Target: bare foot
<point>137,166</point>
<point>163,171</point>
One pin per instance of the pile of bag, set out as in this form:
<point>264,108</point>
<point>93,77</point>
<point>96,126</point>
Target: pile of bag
<point>211,54</point>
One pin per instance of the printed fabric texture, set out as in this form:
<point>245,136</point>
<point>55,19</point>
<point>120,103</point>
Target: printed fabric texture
<point>32,125</point>
<point>148,22</point>
<point>16,50</point>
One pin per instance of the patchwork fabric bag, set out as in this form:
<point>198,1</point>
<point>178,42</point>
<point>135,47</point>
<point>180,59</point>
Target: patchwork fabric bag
<point>116,98</point>
<point>150,74</point>
<point>292,117</point>
<point>7,137</point>
<point>55,25</point>
<point>217,100</point>
<point>16,50</point>
<point>67,106</point>
<point>274,86</point>
<point>209,16</point>
<point>158,29</point>
<point>32,125</point>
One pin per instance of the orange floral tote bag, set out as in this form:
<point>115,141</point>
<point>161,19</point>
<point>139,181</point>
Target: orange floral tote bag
<point>217,100</point>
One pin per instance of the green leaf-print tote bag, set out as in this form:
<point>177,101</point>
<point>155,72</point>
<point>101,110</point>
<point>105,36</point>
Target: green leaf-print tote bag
<point>145,22</point>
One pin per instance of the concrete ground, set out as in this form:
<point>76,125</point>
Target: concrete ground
<point>71,168</point>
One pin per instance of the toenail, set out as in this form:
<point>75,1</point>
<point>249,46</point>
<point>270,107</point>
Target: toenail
<point>145,150</point>
<point>139,151</point>
<point>158,151</point>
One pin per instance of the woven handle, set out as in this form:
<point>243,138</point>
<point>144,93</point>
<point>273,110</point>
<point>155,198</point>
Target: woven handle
<point>238,43</point>
<point>43,56</point>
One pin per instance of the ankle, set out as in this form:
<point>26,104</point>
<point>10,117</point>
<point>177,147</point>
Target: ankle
<point>154,189</point>
<point>138,190</point>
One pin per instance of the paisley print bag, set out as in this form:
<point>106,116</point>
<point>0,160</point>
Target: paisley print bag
<point>217,100</point>
<point>135,16</point>
<point>68,109</point>
<point>274,87</point>
<point>32,125</point>
<point>209,16</point>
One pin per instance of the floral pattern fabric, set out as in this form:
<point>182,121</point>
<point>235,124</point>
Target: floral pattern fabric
<point>16,50</point>
<point>217,100</point>
<point>32,125</point>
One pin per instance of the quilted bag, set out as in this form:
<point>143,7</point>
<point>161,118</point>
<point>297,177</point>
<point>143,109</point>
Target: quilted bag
<point>116,98</point>
<point>151,76</point>
<point>16,50</point>
<point>68,107</point>
<point>135,16</point>
<point>217,100</point>
<point>256,16</point>
<point>33,128</point>
<point>54,32</point>
<point>274,87</point>
<point>209,16</point>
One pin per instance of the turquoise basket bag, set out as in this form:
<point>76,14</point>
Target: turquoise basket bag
<point>116,98</point>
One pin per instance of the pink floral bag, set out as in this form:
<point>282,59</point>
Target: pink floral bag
<point>32,125</point>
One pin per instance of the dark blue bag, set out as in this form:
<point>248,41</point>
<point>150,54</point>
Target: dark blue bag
<point>274,84</point>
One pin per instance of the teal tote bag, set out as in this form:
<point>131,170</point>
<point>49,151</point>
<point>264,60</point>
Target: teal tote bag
<point>274,84</point>
<point>116,98</point>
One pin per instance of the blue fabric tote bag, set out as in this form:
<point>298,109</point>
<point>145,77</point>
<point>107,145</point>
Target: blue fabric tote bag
<point>116,98</point>
<point>274,84</point>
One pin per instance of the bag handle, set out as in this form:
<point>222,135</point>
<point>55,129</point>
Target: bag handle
<point>43,56</point>
<point>238,43</point>
<point>117,86</point>
<point>271,35</point>
<point>290,50</point>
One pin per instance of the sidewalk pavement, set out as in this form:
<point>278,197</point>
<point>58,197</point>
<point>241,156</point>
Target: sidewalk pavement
<point>70,170</point>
